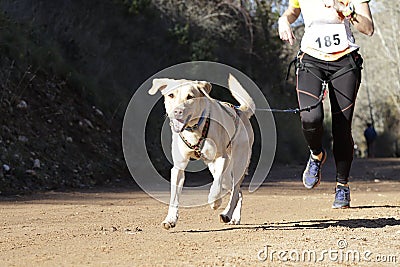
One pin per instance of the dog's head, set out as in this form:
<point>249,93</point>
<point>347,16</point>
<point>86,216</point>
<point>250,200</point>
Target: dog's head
<point>183,100</point>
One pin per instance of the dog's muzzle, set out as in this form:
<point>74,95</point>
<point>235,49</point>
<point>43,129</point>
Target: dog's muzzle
<point>178,125</point>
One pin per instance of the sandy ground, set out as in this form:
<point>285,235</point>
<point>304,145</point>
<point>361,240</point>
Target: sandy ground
<point>281,223</point>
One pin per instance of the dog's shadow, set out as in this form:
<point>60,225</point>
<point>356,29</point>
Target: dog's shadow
<point>308,224</point>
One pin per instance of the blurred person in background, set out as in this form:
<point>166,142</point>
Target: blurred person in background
<point>370,136</point>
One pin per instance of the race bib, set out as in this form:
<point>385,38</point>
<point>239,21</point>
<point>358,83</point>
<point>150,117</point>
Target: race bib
<point>328,38</point>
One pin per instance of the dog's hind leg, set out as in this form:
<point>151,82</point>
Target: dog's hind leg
<point>177,180</point>
<point>232,212</point>
<point>229,212</point>
<point>238,209</point>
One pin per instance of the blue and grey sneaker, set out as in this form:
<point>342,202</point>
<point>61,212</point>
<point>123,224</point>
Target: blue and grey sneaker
<point>342,197</point>
<point>312,173</point>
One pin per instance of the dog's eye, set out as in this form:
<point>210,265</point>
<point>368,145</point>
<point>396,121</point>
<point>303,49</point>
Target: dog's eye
<point>189,97</point>
<point>171,95</point>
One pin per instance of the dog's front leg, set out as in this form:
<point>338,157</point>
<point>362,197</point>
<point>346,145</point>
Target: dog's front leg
<point>177,180</point>
<point>218,169</point>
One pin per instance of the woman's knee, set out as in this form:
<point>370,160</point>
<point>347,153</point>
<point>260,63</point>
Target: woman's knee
<point>311,120</point>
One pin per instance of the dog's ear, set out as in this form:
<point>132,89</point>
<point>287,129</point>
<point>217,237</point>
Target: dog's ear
<point>206,86</point>
<point>158,84</point>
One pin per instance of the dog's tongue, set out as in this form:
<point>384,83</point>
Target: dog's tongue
<point>178,125</point>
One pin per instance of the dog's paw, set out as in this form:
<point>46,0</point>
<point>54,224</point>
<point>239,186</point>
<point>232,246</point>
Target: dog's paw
<point>216,204</point>
<point>167,225</point>
<point>224,218</point>
<point>234,222</point>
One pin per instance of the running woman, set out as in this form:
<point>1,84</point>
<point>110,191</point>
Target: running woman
<point>328,58</point>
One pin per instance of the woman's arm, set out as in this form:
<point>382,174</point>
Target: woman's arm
<point>362,19</point>
<point>288,17</point>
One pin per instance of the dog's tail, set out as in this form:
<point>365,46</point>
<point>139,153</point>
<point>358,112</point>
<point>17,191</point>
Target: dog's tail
<point>247,104</point>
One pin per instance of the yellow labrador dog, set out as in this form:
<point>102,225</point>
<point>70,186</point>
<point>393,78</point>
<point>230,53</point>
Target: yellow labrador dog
<point>218,133</point>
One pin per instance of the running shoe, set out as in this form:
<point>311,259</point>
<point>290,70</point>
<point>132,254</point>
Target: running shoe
<point>312,173</point>
<point>342,197</point>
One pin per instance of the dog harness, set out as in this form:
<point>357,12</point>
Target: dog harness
<point>200,144</point>
<point>234,117</point>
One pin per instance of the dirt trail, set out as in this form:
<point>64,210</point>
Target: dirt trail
<point>121,227</point>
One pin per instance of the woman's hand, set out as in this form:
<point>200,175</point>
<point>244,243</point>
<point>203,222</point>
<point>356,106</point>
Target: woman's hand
<point>361,19</point>
<point>285,31</point>
<point>287,18</point>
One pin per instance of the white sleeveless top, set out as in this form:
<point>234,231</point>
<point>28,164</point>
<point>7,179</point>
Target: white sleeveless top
<point>327,34</point>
